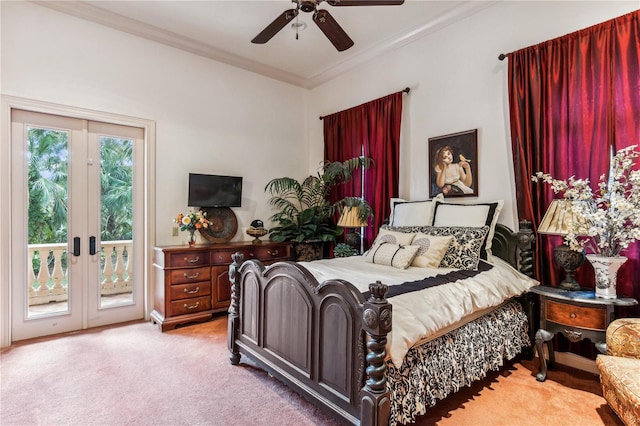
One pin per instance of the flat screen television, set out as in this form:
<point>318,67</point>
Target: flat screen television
<point>214,190</point>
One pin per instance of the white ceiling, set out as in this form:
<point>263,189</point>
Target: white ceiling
<point>223,29</point>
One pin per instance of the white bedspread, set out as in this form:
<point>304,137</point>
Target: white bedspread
<point>425,314</point>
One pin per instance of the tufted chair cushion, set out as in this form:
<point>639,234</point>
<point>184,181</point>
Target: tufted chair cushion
<point>623,338</point>
<point>620,369</point>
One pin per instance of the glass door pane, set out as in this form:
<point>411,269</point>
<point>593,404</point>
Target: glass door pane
<point>116,219</point>
<point>47,183</point>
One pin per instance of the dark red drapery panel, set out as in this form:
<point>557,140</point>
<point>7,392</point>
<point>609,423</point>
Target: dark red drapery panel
<point>343,135</point>
<point>383,145</point>
<point>372,128</point>
<point>572,100</point>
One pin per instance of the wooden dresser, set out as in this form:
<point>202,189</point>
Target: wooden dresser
<point>191,284</point>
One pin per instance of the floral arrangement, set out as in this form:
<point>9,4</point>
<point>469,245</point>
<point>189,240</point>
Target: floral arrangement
<point>192,221</point>
<point>611,214</point>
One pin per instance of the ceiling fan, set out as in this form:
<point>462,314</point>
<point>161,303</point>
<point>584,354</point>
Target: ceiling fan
<point>322,18</point>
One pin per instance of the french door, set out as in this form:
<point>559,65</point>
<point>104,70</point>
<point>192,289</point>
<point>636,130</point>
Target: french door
<point>77,201</point>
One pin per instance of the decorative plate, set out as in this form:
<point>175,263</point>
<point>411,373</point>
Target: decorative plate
<point>223,226</point>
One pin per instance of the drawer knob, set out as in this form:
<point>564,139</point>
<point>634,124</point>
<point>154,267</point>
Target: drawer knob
<point>273,253</point>
<point>192,306</point>
<point>194,260</point>
<point>573,315</point>
<point>190,277</point>
<point>573,336</point>
<point>192,291</point>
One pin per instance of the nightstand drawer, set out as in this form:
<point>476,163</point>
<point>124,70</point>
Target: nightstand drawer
<point>576,316</point>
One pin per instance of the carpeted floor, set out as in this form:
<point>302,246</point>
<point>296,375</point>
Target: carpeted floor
<point>135,375</point>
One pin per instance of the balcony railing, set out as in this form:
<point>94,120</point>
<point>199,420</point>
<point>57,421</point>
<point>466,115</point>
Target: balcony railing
<point>48,282</point>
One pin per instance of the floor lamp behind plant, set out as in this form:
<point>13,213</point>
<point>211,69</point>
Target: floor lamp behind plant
<point>349,220</point>
<point>558,220</point>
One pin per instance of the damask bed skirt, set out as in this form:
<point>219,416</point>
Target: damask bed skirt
<point>442,366</point>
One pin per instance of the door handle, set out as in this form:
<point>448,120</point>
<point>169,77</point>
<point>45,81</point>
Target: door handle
<point>92,245</point>
<point>76,246</point>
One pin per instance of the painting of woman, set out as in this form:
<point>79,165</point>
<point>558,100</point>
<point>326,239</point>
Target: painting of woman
<point>453,164</point>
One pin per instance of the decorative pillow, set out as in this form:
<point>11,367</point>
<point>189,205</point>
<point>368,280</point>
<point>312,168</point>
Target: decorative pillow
<point>412,213</point>
<point>396,255</point>
<point>393,202</point>
<point>432,249</point>
<point>464,249</point>
<point>393,237</point>
<point>469,215</point>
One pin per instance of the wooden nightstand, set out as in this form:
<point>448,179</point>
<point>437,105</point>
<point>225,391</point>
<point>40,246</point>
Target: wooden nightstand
<point>577,315</point>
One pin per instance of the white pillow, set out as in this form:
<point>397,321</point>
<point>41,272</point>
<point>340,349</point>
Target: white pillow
<point>394,237</point>
<point>432,249</point>
<point>396,255</point>
<point>469,215</point>
<point>393,202</point>
<point>412,213</point>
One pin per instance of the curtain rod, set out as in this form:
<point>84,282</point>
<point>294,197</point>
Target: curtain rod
<point>503,56</point>
<point>405,90</point>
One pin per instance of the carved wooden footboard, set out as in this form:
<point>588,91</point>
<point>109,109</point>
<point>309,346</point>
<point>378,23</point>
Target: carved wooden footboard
<point>324,340</point>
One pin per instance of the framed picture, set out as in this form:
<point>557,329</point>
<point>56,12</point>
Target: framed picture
<point>453,164</point>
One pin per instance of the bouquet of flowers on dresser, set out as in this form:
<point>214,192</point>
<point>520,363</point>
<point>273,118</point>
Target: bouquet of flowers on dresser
<point>610,215</point>
<point>192,221</point>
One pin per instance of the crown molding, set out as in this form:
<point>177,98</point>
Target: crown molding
<point>131,26</point>
<point>89,12</point>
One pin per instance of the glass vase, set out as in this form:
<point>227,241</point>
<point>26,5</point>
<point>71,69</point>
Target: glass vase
<point>192,238</point>
<point>606,272</point>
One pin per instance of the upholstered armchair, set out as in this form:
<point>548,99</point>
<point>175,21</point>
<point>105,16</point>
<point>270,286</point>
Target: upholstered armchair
<point>620,369</point>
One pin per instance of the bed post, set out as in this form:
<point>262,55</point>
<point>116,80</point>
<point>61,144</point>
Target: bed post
<point>376,322</point>
<point>234,308</point>
<point>526,239</point>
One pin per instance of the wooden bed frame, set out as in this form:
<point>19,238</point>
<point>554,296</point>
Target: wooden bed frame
<point>324,340</point>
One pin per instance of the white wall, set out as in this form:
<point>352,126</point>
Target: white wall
<point>213,118</point>
<point>457,83</point>
<point>210,117</point>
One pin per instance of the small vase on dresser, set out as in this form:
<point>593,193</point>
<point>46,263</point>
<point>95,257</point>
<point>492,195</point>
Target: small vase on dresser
<point>606,273</point>
<point>192,238</point>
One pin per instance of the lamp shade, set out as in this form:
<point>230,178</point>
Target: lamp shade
<point>349,218</point>
<point>560,219</point>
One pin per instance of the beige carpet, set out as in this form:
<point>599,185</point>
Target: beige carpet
<point>135,375</point>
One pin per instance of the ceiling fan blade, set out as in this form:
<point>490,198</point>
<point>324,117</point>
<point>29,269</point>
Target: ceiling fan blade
<point>332,30</point>
<point>272,29</point>
<point>365,2</point>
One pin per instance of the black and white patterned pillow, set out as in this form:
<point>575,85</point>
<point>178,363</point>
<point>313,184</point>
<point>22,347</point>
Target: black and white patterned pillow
<point>464,249</point>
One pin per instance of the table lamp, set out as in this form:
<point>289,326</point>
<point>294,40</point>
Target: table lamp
<point>558,220</point>
<point>349,219</point>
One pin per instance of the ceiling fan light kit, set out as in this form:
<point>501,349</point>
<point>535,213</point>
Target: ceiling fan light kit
<point>323,19</point>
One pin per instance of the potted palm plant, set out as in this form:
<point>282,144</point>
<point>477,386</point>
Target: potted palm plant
<point>305,214</point>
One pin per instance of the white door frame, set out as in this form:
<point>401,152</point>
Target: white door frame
<point>7,104</point>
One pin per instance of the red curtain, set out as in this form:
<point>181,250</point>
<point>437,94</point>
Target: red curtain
<point>372,128</point>
<point>572,101</point>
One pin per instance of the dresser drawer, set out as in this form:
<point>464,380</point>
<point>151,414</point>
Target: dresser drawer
<point>181,260</point>
<point>190,306</point>
<point>273,253</point>
<point>186,291</point>
<point>181,276</point>
<point>223,257</point>
<point>577,316</point>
